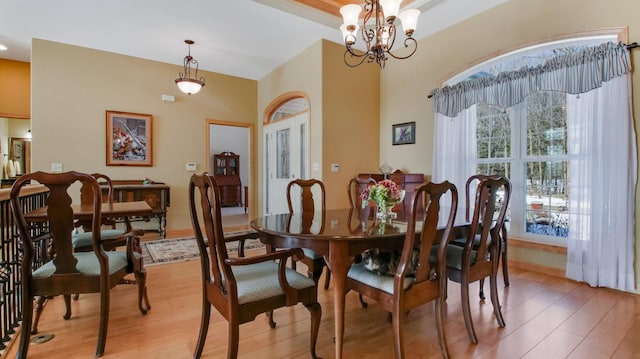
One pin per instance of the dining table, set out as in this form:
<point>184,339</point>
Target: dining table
<point>108,210</point>
<point>339,235</point>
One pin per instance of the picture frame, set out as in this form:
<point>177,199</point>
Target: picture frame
<point>129,141</point>
<point>403,133</point>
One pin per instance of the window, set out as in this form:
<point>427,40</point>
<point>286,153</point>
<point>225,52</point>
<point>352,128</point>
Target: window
<point>539,155</point>
<point>528,144</point>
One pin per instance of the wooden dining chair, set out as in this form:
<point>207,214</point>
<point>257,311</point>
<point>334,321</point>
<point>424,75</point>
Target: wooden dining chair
<point>479,257</point>
<point>240,288</point>
<point>404,290</point>
<point>355,188</point>
<point>112,237</point>
<point>470,187</point>
<point>308,203</point>
<point>68,272</point>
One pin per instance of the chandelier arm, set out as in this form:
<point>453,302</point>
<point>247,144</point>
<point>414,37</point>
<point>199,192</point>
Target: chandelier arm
<point>406,45</point>
<point>364,56</point>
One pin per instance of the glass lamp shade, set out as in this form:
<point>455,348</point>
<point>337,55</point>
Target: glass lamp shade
<point>347,36</point>
<point>189,86</point>
<point>390,8</point>
<point>350,14</point>
<point>409,20</point>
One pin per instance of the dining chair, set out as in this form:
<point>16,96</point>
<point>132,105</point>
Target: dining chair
<point>112,237</point>
<point>355,188</point>
<point>68,272</point>
<point>404,290</point>
<point>240,288</point>
<point>479,257</point>
<point>314,261</point>
<point>470,187</point>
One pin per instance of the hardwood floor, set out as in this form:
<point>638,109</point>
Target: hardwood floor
<point>546,317</point>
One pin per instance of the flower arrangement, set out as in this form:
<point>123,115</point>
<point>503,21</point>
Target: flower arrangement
<point>385,194</point>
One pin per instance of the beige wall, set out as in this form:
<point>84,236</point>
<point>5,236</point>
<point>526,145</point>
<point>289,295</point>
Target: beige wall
<point>350,124</point>
<point>344,118</point>
<point>404,88</point>
<point>72,87</point>
<point>303,73</point>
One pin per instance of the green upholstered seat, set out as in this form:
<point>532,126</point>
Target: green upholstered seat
<point>88,264</point>
<point>382,282</point>
<point>84,239</point>
<point>260,281</point>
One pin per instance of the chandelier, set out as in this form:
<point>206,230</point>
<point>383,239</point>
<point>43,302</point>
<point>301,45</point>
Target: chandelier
<point>185,83</point>
<point>379,38</point>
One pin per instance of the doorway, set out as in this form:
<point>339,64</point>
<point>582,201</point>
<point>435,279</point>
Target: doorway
<point>232,140</point>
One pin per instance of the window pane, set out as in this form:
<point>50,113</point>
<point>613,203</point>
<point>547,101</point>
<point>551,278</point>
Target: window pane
<point>546,198</point>
<point>546,124</point>
<point>493,132</point>
<point>283,155</point>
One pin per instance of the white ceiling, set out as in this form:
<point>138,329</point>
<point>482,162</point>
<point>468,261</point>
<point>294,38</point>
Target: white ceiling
<point>243,38</point>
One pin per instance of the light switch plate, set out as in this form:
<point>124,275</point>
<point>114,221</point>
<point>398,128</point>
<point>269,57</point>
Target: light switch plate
<point>335,167</point>
<point>191,167</point>
<point>56,167</point>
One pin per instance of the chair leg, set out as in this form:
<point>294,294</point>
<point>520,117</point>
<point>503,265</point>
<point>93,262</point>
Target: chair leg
<point>38,310</point>
<point>397,318</point>
<point>234,338</point>
<point>204,327</point>
<point>482,297</point>
<point>327,279</point>
<point>25,334</point>
<point>316,314</point>
<point>67,305</point>
<point>104,322</point>
<point>272,324</point>
<point>493,284</point>
<point>362,301</point>
<point>442,338</point>
<point>503,253</point>
<point>466,311</point>
<point>141,280</point>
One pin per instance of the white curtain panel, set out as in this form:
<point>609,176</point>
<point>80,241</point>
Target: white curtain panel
<point>602,169</point>
<point>454,155</point>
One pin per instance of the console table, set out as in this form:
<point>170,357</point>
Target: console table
<point>155,194</point>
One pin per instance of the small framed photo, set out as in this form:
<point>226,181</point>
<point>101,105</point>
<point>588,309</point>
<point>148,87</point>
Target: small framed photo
<point>404,133</point>
<point>129,140</point>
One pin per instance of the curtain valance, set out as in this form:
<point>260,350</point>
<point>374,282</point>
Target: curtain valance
<point>575,73</point>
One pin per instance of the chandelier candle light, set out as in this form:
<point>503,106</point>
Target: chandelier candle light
<point>379,38</point>
<point>185,83</point>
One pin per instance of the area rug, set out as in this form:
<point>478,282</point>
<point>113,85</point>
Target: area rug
<point>183,249</point>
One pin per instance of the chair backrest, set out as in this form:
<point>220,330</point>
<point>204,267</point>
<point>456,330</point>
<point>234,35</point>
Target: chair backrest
<point>471,187</point>
<point>355,189</point>
<point>85,190</point>
<point>308,205</point>
<point>307,200</point>
<point>428,195</point>
<point>487,202</point>
<point>212,262</point>
<point>60,218</point>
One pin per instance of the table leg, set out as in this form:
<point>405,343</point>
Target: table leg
<point>339,262</point>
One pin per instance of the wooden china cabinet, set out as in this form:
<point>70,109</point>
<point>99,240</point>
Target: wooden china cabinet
<point>226,170</point>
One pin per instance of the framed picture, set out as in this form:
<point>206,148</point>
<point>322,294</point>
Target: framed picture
<point>404,133</point>
<point>129,140</point>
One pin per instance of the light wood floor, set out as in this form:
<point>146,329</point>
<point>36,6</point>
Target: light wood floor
<point>546,317</point>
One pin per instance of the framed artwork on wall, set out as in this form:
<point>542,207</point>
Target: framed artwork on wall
<point>129,141</point>
<point>404,133</point>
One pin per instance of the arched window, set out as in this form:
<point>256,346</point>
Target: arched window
<point>556,119</point>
